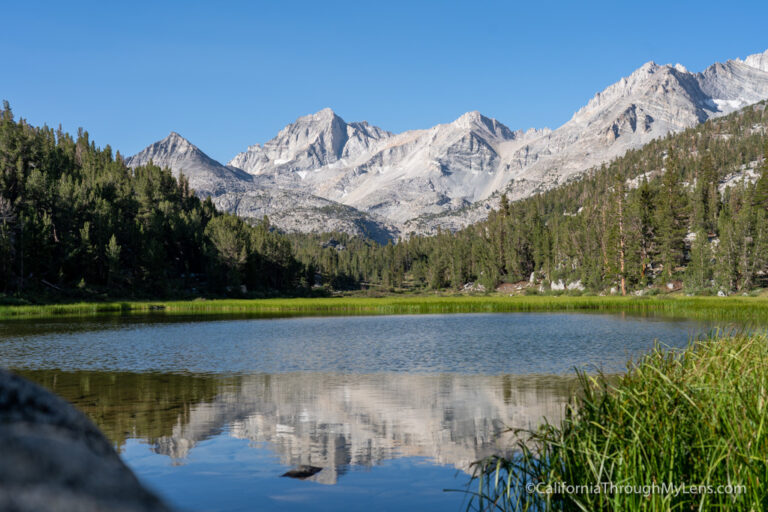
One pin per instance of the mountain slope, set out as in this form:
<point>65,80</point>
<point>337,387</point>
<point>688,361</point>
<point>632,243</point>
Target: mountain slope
<point>651,103</point>
<point>206,176</point>
<point>310,142</point>
<point>252,197</point>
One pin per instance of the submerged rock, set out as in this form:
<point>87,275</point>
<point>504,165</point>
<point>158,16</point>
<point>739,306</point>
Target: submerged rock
<point>302,472</point>
<point>54,457</point>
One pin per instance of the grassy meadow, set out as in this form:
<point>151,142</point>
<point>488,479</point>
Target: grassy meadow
<point>737,309</point>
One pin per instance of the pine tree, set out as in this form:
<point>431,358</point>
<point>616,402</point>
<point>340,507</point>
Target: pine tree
<point>645,227</point>
<point>760,198</point>
<point>112,253</point>
<point>671,218</point>
<point>698,273</point>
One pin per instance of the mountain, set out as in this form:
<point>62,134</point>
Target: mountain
<point>450,175</point>
<point>397,177</point>
<point>311,142</point>
<point>649,104</point>
<point>207,176</point>
<point>251,197</point>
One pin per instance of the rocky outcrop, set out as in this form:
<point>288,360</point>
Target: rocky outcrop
<point>53,458</point>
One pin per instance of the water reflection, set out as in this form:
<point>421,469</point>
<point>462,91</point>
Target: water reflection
<point>212,413</point>
<point>329,420</point>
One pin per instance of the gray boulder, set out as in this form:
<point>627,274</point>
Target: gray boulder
<point>54,458</point>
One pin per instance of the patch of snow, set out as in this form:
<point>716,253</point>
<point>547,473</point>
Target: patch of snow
<point>721,104</point>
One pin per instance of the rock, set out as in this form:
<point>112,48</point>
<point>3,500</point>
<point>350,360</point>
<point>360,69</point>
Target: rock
<point>532,279</point>
<point>670,286</point>
<point>54,458</point>
<point>473,287</point>
<point>557,285</point>
<point>576,285</point>
<point>721,293</point>
<point>302,472</point>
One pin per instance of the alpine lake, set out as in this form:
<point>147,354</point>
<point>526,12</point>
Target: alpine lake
<point>323,412</point>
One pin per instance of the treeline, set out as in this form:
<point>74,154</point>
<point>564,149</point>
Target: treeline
<point>74,219</point>
<point>689,209</point>
<point>660,216</point>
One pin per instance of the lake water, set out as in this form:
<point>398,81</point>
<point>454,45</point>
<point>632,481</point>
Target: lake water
<point>389,410</point>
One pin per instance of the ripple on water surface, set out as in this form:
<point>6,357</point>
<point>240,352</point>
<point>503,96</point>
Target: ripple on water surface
<point>518,343</point>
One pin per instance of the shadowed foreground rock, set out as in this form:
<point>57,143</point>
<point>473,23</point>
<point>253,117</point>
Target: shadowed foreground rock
<point>53,458</point>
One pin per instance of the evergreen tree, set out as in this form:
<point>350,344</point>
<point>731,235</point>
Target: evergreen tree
<point>698,273</point>
<point>671,217</point>
<point>112,252</point>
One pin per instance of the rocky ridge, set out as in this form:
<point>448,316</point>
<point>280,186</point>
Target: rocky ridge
<point>235,191</point>
<point>321,172</point>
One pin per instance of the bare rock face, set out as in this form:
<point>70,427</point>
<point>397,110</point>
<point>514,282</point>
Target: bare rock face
<point>310,142</point>
<point>449,175</point>
<point>53,458</point>
<point>299,212</point>
<point>395,177</point>
<point>206,175</point>
<point>757,61</point>
<point>252,197</point>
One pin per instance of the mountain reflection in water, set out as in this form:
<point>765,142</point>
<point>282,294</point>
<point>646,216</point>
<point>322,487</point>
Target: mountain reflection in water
<point>328,420</point>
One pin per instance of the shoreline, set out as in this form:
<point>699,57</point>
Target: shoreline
<point>742,309</point>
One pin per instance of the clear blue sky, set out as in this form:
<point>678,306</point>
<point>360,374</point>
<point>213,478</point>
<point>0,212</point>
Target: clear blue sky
<point>230,74</point>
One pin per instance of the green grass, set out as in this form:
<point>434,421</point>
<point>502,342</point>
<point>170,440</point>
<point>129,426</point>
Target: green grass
<point>694,418</point>
<point>737,309</point>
